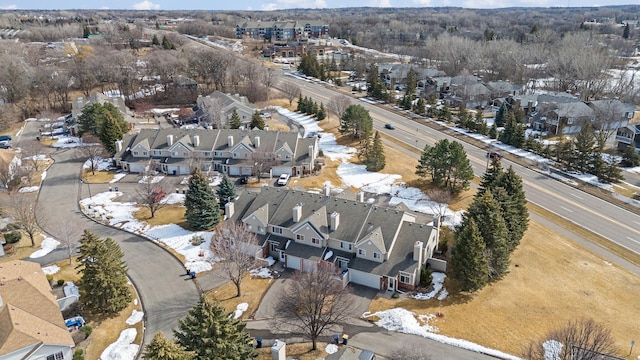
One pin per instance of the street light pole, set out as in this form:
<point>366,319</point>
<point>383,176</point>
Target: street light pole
<point>489,155</point>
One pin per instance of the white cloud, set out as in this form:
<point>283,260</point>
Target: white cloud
<point>9,7</point>
<point>269,6</point>
<point>382,3</point>
<point>486,4</point>
<point>146,5</point>
<point>423,2</point>
<point>320,3</point>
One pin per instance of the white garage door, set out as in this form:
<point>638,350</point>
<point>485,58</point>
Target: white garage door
<point>234,171</point>
<point>293,262</point>
<point>366,279</point>
<point>136,168</point>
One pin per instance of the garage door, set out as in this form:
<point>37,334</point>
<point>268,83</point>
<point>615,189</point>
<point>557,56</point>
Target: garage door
<point>293,262</point>
<point>234,171</point>
<point>363,278</point>
<point>136,168</point>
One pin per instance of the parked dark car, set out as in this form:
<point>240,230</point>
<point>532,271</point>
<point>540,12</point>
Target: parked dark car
<point>5,138</point>
<point>494,155</point>
<point>244,179</point>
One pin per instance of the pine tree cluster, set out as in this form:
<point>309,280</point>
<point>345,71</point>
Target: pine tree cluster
<point>447,165</point>
<point>308,106</point>
<point>103,275</point>
<point>491,229</point>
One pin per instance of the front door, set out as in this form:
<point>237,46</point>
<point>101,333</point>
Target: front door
<point>391,284</point>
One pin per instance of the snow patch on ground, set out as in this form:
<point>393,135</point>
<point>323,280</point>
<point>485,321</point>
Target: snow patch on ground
<point>117,177</point>
<point>50,270</point>
<point>29,189</point>
<point>552,349</point>
<point>331,348</point>
<point>262,272</point>
<point>240,309</point>
<point>122,349</point>
<point>402,320</point>
<point>48,245</point>
<point>101,164</point>
<point>438,281</point>
<point>136,317</point>
<point>173,198</point>
<point>151,179</point>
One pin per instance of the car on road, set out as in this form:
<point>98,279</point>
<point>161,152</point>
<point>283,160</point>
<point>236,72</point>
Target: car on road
<point>283,179</point>
<point>494,155</point>
<point>5,138</point>
<point>4,144</point>
<point>244,179</point>
<point>389,126</point>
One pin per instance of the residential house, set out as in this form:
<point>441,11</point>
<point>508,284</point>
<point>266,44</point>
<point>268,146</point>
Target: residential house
<point>502,88</point>
<point>395,74</point>
<point>234,152</point>
<point>31,325</point>
<point>293,49</point>
<point>370,245</point>
<point>628,136</point>
<point>565,118</point>
<point>81,102</point>
<point>217,108</point>
<point>282,30</point>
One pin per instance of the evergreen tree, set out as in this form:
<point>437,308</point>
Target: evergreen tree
<point>226,191</point>
<point>468,263</point>
<point>626,32</point>
<point>357,121</point>
<point>463,117</point>
<point>499,120</point>
<point>460,172</point>
<point>202,211</point>
<point>432,110</point>
<point>487,214</point>
<point>300,104</point>
<point>412,84</point>
<point>161,348</point>
<point>491,177</point>
<point>375,159</point>
<point>518,220</point>
<point>419,107</point>
<point>155,40</point>
<point>321,114</point>
<point>518,136</point>
<point>480,125</point>
<point>447,165</point>
<point>110,133</point>
<point>235,121</point>
<point>103,275</point>
<point>257,122</point>
<point>506,135</point>
<point>582,158</point>
<point>213,333</point>
<point>446,113</point>
<point>493,131</point>
<point>630,157</point>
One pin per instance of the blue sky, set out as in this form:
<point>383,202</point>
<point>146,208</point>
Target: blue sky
<point>287,4</point>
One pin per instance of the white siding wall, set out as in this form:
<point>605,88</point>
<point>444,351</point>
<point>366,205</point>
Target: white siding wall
<point>363,278</point>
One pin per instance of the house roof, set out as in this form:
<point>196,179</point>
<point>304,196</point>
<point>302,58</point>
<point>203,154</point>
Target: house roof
<point>29,314</point>
<point>611,107</point>
<point>573,110</point>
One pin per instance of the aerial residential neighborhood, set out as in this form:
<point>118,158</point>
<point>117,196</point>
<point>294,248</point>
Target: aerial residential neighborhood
<point>288,182</point>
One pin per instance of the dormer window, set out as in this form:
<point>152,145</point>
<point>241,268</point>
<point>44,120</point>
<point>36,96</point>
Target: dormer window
<point>362,252</point>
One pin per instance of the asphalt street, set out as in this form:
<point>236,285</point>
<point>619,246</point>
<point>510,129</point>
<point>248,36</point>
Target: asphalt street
<point>165,294</point>
<point>594,214</point>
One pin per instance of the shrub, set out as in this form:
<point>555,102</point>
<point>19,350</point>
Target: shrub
<point>86,330</point>
<point>425,277</point>
<point>443,245</point>
<point>60,282</point>
<point>78,354</point>
<point>50,279</point>
<point>395,296</point>
<point>13,226</point>
<point>12,237</point>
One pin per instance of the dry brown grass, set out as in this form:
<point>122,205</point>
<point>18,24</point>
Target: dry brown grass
<point>23,248</point>
<point>551,280</point>
<point>296,351</point>
<point>626,189</point>
<point>253,289</point>
<point>170,214</point>
<point>100,177</point>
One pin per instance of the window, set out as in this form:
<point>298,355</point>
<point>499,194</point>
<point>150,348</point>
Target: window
<point>56,356</point>
<point>157,152</point>
<point>218,153</point>
<point>344,245</point>
<point>376,255</point>
<point>276,230</point>
<point>315,241</point>
<point>362,252</point>
<point>207,154</point>
<point>299,237</point>
<point>260,228</point>
<point>249,226</point>
<point>144,153</point>
<point>274,247</point>
<point>405,279</point>
<point>135,153</point>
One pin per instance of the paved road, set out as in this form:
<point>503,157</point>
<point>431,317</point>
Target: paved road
<point>165,294</point>
<point>605,219</point>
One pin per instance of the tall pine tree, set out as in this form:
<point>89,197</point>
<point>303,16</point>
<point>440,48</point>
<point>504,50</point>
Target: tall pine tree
<point>257,122</point>
<point>374,158</point>
<point>226,191</point>
<point>468,263</point>
<point>202,211</point>
<point>235,121</point>
<point>103,275</point>
<point>161,348</point>
<point>213,333</point>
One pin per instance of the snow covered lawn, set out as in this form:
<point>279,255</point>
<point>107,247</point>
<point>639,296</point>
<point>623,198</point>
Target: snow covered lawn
<point>48,245</point>
<point>122,349</point>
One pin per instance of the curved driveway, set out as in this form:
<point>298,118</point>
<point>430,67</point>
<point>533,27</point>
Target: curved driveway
<point>165,294</point>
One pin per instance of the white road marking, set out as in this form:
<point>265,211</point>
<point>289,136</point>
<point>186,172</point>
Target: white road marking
<point>634,240</point>
<point>566,209</point>
<point>636,222</point>
<point>576,196</point>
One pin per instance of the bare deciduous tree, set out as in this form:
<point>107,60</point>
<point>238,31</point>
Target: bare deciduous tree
<point>68,231</point>
<point>313,302</point>
<point>93,151</point>
<point>291,91</point>
<point>151,194</point>
<point>25,212</point>
<point>238,248</point>
<point>33,159</point>
<point>338,105</point>
<point>583,339</point>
